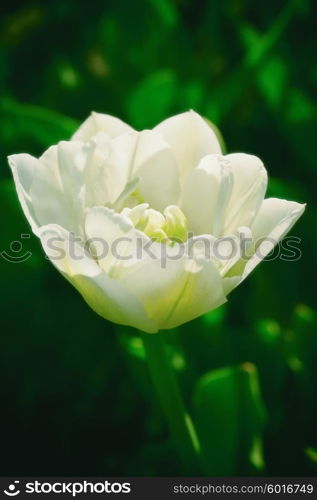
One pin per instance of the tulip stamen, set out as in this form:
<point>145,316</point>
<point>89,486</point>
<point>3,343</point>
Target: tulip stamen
<point>169,227</point>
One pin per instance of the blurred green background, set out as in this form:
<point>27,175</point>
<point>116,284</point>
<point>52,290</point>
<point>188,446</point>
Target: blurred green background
<point>75,392</point>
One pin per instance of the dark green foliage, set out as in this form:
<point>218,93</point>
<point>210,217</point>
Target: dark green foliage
<point>75,394</point>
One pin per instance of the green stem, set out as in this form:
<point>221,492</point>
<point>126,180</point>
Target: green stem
<point>180,424</point>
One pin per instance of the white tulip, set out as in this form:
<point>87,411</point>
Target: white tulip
<point>160,187</point>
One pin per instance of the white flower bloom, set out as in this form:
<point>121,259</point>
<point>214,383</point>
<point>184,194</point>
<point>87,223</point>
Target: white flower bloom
<point>166,189</point>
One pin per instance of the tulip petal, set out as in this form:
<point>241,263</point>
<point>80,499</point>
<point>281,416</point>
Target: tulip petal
<point>104,295</point>
<point>249,186</point>
<point>23,167</point>
<point>156,167</point>
<point>114,240</point>
<point>50,188</point>
<point>132,159</point>
<point>106,164</point>
<point>176,290</point>
<point>173,288</point>
<point>275,218</point>
<point>100,122</point>
<point>205,194</point>
<point>190,137</point>
<point>67,178</point>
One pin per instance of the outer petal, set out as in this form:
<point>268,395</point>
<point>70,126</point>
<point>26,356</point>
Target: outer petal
<point>23,167</point>
<point>205,194</point>
<point>249,186</point>
<point>176,292</point>
<point>172,287</point>
<point>190,138</point>
<point>99,122</point>
<point>104,295</point>
<point>50,189</point>
<point>71,176</point>
<point>274,220</point>
<point>225,251</point>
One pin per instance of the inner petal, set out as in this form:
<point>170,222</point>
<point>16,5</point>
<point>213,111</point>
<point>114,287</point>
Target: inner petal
<point>206,193</point>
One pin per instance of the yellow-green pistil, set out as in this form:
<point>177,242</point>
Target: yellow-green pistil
<point>169,226</point>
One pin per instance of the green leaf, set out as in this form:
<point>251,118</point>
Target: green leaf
<point>191,95</point>
<point>151,100</point>
<point>229,417</point>
<point>272,79</point>
<point>299,107</point>
<point>44,126</point>
<point>260,46</point>
<point>133,345</point>
<point>249,36</point>
<point>288,190</point>
<point>166,12</point>
<point>305,339</point>
<point>214,317</point>
<point>269,331</point>
<point>311,453</point>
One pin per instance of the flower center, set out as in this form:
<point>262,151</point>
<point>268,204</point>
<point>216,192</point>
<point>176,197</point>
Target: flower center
<point>170,226</point>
